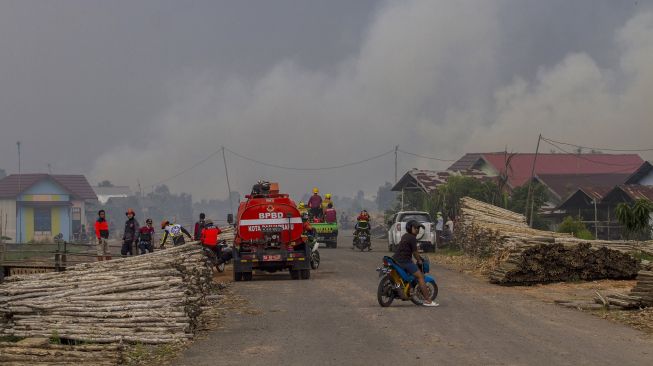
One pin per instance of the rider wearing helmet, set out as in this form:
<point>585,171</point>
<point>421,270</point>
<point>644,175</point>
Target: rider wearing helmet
<point>175,231</point>
<point>210,234</point>
<point>406,251</point>
<point>130,235</point>
<point>362,224</point>
<point>306,225</point>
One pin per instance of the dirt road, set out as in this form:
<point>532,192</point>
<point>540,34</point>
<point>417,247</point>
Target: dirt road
<point>334,319</point>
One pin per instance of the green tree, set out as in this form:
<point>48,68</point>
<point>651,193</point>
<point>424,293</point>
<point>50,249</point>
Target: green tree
<point>635,219</point>
<point>575,227</point>
<point>517,203</point>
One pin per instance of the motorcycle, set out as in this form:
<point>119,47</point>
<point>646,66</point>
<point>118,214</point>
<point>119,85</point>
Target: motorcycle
<point>312,243</point>
<point>398,284</point>
<point>220,257</point>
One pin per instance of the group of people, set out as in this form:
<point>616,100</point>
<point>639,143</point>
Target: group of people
<point>138,239</point>
<point>318,208</point>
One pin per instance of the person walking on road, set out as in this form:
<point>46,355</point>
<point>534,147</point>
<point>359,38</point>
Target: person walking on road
<point>315,204</point>
<point>199,226</point>
<point>102,235</point>
<point>130,235</point>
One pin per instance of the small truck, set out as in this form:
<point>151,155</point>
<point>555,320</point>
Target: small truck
<point>327,233</point>
<point>269,235</point>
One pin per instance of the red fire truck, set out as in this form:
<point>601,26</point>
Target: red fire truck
<point>269,235</point>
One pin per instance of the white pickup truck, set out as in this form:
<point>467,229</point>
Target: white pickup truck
<point>397,228</point>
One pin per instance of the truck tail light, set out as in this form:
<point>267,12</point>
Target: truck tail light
<point>398,226</point>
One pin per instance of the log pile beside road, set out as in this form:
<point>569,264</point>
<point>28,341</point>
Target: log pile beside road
<point>151,299</point>
<point>640,296</point>
<point>523,255</point>
<point>42,352</point>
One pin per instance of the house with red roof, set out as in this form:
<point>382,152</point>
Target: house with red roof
<point>36,207</point>
<point>517,167</point>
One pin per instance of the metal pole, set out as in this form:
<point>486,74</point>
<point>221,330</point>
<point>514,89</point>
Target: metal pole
<point>20,213</point>
<point>226,172</point>
<point>596,222</point>
<point>531,195</point>
<point>402,199</point>
<point>396,149</point>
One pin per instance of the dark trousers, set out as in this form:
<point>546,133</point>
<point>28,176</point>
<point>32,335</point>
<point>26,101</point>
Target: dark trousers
<point>127,247</point>
<point>145,246</point>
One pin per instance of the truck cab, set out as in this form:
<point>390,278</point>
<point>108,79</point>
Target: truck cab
<point>397,228</point>
<point>269,235</point>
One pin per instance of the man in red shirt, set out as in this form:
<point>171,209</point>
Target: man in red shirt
<point>330,214</point>
<point>315,204</point>
<point>210,234</point>
<point>102,235</point>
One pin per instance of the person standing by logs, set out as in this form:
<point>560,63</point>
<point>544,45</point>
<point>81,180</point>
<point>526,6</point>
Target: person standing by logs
<point>199,226</point>
<point>175,231</point>
<point>146,237</point>
<point>102,235</point>
<point>130,235</point>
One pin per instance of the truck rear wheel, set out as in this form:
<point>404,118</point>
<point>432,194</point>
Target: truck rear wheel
<point>294,274</point>
<point>306,274</point>
<point>238,276</point>
<point>247,276</point>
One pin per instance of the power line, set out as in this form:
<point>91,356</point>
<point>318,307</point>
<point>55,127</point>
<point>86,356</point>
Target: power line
<point>310,169</point>
<point>580,156</point>
<point>425,157</point>
<point>216,152</point>
<point>595,148</point>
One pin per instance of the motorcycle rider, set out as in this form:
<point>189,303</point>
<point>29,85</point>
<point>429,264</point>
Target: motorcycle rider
<point>146,237</point>
<point>209,236</point>
<point>130,234</point>
<point>175,231</point>
<point>406,250</point>
<point>315,204</point>
<point>362,224</point>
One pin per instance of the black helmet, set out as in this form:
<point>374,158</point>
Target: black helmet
<point>411,224</point>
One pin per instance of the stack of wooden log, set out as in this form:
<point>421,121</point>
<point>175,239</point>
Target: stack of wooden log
<point>151,299</point>
<point>525,255</point>
<point>228,234</point>
<point>541,262</point>
<point>639,297</point>
<point>41,352</point>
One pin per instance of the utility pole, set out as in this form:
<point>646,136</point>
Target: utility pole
<point>19,209</point>
<point>49,168</point>
<point>226,172</point>
<point>531,195</point>
<point>396,150</point>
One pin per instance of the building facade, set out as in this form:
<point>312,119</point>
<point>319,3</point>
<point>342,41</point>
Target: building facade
<point>37,207</point>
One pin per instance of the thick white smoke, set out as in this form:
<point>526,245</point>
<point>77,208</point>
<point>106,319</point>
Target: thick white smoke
<point>425,78</point>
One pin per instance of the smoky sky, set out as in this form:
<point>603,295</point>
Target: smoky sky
<point>138,91</point>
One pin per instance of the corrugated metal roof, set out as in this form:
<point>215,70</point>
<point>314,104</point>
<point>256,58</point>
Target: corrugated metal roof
<point>640,173</point>
<point>636,191</point>
<point>13,185</point>
<point>519,171</point>
<point>563,185</point>
<point>429,180</point>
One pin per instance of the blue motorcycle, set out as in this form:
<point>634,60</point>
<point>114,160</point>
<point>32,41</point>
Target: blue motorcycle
<point>398,284</point>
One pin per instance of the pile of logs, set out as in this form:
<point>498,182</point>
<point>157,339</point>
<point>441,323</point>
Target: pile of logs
<point>639,297</point>
<point>227,233</point>
<point>152,299</point>
<point>39,351</point>
<point>540,262</point>
<point>525,256</point>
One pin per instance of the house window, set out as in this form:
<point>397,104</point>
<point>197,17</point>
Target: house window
<point>42,219</point>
